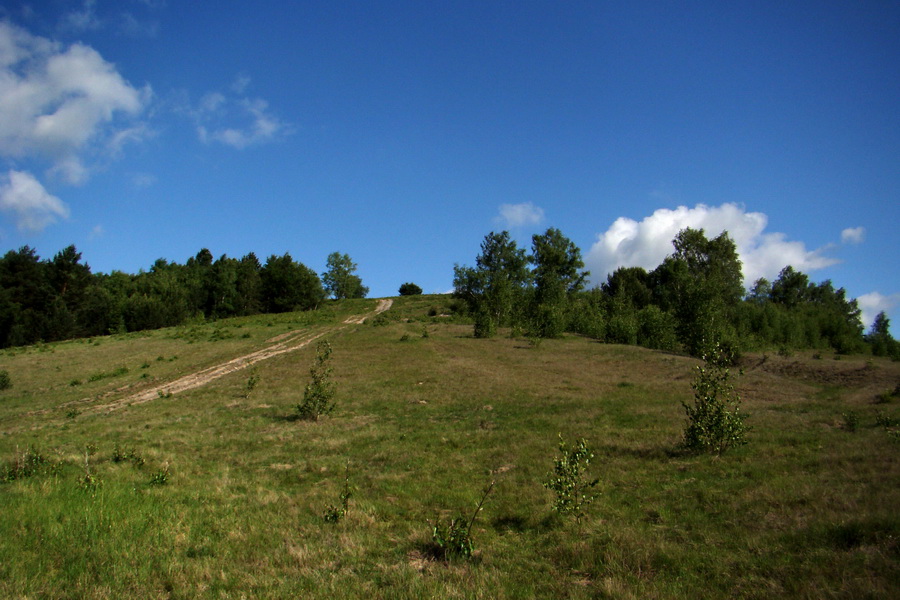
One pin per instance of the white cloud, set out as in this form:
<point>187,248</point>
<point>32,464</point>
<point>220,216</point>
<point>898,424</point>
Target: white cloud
<point>96,232</point>
<point>646,243</point>
<point>59,104</point>
<point>25,197</point>
<point>873,303</point>
<point>853,235</point>
<point>517,215</point>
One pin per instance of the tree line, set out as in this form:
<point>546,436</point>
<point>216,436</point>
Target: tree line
<point>694,299</point>
<point>60,298</point>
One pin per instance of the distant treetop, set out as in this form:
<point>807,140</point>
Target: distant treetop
<point>410,289</point>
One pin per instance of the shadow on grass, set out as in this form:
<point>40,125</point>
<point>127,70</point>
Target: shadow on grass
<point>662,453</point>
<point>282,418</point>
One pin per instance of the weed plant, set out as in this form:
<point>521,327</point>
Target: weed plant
<point>452,538</point>
<point>333,513</point>
<point>252,382</point>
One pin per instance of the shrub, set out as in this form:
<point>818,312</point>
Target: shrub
<point>851,421</point>
<point>656,329</point>
<point>453,538</point>
<point>5,381</point>
<point>319,393</point>
<point>333,514</point>
<point>28,463</point>
<point>410,289</point>
<point>715,423</point>
<point>568,480</point>
<point>161,477</point>
<point>251,383</point>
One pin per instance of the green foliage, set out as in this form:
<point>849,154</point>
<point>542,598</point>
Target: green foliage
<point>715,423</point>
<point>409,289</point>
<point>160,477</point>
<point>656,328</point>
<point>452,538</point>
<point>493,289</point>
<point>319,393</point>
<point>251,383</point>
<point>879,338</point>
<point>333,513</point>
<point>89,481</point>
<point>882,420</point>
<point>117,372</point>
<point>5,381</point>
<point>339,280</point>
<point>569,481</point>
<point>132,456</point>
<point>850,421</point>
<point>557,277</point>
<point>30,462</point>
<point>287,285</point>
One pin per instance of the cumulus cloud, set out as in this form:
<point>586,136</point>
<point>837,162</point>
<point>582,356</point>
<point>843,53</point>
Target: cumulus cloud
<point>517,215</point>
<point>32,206</point>
<point>853,235</point>
<point>59,104</point>
<point>237,121</point>
<point>646,243</point>
<point>873,303</point>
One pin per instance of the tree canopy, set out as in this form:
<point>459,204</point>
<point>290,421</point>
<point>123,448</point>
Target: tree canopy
<point>339,280</point>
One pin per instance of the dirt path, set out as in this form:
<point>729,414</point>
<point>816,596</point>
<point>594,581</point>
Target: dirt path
<point>281,344</point>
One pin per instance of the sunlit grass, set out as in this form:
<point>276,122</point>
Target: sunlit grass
<point>806,509</point>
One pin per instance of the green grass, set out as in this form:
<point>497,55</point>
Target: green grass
<point>806,509</point>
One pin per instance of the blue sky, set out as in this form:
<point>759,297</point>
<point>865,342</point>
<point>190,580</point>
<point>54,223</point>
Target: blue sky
<point>402,133</point>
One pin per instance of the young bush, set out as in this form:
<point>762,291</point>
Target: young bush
<point>568,479</point>
<point>715,423</point>
<point>453,538</point>
<point>319,393</point>
<point>5,381</point>
<point>333,514</point>
<point>28,463</point>
<point>161,477</point>
<point>251,384</point>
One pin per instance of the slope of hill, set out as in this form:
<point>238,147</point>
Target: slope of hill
<point>219,490</point>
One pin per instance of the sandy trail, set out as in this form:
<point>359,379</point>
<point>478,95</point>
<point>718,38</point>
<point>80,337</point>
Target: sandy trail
<point>281,344</point>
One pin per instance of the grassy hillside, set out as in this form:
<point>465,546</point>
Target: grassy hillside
<point>230,497</point>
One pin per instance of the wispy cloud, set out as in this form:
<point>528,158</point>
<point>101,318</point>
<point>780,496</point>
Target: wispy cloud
<point>143,180</point>
<point>32,206</point>
<point>125,23</point>
<point>647,242</point>
<point>83,18</point>
<point>518,215</point>
<point>236,120</point>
